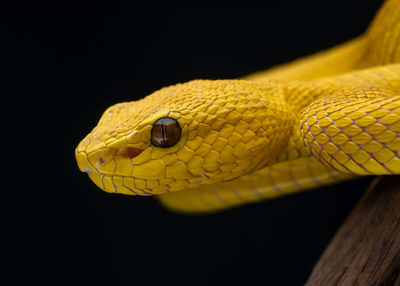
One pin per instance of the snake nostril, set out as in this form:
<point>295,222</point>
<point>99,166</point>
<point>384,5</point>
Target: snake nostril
<point>101,161</point>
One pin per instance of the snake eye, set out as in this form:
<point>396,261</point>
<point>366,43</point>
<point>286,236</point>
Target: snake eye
<point>165,133</point>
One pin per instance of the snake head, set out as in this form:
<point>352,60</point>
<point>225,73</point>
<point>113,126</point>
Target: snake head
<point>186,135</point>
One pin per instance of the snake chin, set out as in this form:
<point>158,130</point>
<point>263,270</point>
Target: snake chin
<point>118,184</point>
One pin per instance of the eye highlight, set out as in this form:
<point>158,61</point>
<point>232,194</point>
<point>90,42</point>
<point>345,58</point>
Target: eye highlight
<point>165,133</point>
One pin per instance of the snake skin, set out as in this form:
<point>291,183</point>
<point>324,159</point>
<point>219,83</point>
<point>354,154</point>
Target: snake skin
<point>316,121</point>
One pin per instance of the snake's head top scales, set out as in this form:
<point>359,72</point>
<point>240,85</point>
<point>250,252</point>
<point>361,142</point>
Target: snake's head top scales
<point>185,135</point>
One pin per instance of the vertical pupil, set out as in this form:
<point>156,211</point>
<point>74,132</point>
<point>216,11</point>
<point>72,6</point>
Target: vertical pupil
<point>164,137</point>
<point>165,133</point>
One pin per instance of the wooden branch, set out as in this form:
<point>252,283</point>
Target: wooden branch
<point>366,248</point>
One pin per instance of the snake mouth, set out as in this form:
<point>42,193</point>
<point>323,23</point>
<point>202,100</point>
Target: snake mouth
<point>113,172</point>
<point>118,184</point>
<point>113,183</point>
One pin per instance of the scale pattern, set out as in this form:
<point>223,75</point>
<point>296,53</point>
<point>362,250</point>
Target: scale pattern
<point>319,120</point>
<point>350,124</point>
<point>224,136</point>
<point>278,180</point>
<point>358,132</point>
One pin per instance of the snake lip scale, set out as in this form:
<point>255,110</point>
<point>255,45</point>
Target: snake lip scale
<point>208,145</point>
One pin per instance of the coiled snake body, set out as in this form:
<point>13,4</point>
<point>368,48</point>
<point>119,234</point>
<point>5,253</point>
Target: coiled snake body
<point>208,145</point>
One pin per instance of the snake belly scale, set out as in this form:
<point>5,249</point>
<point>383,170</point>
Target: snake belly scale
<point>208,145</point>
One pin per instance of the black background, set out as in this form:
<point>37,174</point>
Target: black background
<point>65,62</point>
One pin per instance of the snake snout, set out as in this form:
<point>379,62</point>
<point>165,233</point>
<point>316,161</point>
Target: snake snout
<point>83,163</point>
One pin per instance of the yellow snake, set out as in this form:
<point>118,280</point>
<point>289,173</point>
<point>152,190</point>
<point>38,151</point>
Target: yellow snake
<point>207,145</point>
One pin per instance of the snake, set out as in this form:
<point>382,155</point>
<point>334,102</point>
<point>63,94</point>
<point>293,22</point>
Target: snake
<point>209,145</point>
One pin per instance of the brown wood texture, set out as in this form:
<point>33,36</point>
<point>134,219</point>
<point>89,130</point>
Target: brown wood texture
<point>366,248</point>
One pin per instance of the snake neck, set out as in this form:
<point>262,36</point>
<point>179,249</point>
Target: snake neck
<point>304,80</point>
<point>300,94</point>
<point>297,96</point>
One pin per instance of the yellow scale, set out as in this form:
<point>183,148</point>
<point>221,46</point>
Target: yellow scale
<point>316,121</point>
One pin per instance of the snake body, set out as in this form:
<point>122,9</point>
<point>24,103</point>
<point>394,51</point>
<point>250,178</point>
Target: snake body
<point>316,121</point>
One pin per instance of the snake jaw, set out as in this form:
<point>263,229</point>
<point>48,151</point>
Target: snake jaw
<point>113,159</point>
<point>83,162</point>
